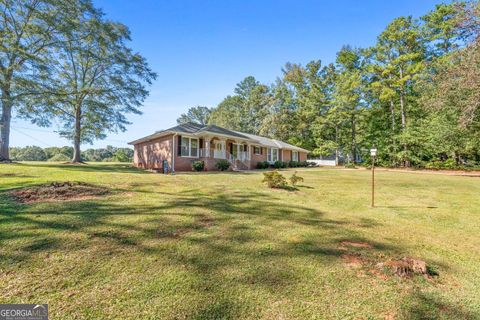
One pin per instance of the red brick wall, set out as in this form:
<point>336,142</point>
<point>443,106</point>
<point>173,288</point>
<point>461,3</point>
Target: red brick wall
<point>257,157</point>
<point>286,155</point>
<point>150,154</point>
<point>302,156</point>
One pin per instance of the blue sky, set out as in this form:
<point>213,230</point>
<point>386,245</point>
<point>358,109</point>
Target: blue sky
<point>202,48</point>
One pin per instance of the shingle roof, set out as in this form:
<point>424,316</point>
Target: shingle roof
<point>195,129</point>
<point>188,127</point>
<point>223,131</point>
<point>274,143</point>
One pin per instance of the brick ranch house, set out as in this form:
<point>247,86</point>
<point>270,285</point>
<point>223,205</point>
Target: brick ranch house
<point>176,148</point>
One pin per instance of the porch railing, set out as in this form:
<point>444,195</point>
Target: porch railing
<point>221,154</point>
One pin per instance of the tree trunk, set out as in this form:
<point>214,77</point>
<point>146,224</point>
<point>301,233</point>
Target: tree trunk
<point>336,145</point>
<point>354,140</point>
<point>392,112</point>
<point>5,125</point>
<point>406,163</point>
<point>394,142</point>
<point>77,137</point>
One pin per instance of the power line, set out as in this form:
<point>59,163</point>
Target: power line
<point>33,138</point>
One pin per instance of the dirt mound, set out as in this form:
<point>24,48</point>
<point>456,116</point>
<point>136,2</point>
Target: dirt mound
<point>58,191</point>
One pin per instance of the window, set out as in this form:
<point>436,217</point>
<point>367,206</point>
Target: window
<point>189,147</point>
<point>256,150</point>
<point>294,155</point>
<point>272,154</point>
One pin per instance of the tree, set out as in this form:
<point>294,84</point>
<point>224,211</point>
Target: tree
<point>96,78</point>
<point>28,29</point>
<point>404,53</point>
<point>246,110</point>
<point>198,114</point>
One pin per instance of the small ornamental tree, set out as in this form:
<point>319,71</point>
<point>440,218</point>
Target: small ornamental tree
<point>274,179</point>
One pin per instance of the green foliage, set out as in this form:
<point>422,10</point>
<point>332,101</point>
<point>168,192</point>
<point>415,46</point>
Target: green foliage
<point>293,164</point>
<point>222,165</point>
<point>121,155</point>
<point>198,114</point>
<point>198,165</point>
<point>263,165</point>
<point>34,153</point>
<point>59,157</point>
<point>280,164</point>
<point>28,153</point>
<point>294,179</point>
<point>113,80</point>
<point>274,179</point>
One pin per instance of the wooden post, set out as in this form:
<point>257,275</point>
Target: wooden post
<point>373,181</point>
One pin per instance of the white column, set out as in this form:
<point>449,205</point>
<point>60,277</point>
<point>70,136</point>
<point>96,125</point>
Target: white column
<point>207,147</point>
<point>223,143</point>
<point>238,150</point>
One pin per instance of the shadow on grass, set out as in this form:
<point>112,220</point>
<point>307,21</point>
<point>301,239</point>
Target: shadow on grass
<point>427,306</point>
<point>202,232</point>
<point>110,168</point>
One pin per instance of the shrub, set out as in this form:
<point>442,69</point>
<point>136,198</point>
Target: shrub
<point>59,157</point>
<point>280,164</point>
<point>294,179</point>
<point>222,165</point>
<point>350,165</point>
<point>262,165</point>
<point>274,179</point>
<point>198,165</point>
<point>293,164</point>
<point>450,164</point>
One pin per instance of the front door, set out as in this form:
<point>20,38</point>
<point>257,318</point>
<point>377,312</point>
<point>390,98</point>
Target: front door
<point>219,150</point>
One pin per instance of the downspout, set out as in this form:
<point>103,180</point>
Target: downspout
<point>173,153</point>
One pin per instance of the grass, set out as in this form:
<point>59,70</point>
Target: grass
<point>223,246</point>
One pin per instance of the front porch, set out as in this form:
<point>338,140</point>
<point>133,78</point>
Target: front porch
<point>236,151</point>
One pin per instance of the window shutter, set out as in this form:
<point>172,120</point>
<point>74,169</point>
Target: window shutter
<point>200,141</point>
<point>179,148</point>
<point>245,147</point>
<point>231,147</point>
<point>291,155</point>
<point>261,150</point>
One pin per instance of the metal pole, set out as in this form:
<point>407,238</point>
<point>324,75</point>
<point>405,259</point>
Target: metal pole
<point>373,181</point>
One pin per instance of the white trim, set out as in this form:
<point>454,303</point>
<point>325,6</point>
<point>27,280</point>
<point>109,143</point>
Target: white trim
<point>189,147</point>
<point>298,156</point>
<point>270,154</point>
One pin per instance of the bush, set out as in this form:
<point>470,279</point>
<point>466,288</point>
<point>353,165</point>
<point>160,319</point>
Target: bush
<point>293,164</point>
<point>350,165</point>
<point>222,165</point>
<point>198,165</point>
<point>294,179</point>
<point>59,157</point>
<point>280,164</point>
<point>262,165</point>
<point>274,179</point>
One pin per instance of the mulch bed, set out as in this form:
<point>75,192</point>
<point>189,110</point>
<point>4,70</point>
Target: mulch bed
<point>58,191</point>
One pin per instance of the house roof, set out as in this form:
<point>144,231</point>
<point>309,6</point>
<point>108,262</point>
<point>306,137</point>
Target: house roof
<point>197,129</point>
<point>274,143</point>
<point>216,129</point>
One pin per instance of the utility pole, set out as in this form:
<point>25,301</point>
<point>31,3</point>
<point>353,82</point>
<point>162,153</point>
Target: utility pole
<point>373,153</point>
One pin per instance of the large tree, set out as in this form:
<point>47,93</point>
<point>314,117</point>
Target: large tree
<point>198,114</point>
<point>28,31</point>
<point>246,110</point>
<point>96,79</point>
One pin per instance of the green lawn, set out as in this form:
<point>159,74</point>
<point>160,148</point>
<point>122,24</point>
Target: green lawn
<point>223,246</point>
